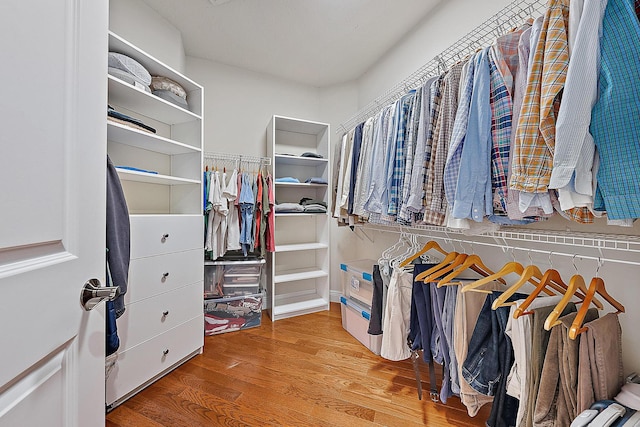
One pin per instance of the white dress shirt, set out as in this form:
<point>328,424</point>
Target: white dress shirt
<point>363,177</point>
<point>574,153</point>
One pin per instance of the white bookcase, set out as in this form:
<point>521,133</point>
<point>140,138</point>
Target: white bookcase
<point>298,271</point>
<point>163,322</point>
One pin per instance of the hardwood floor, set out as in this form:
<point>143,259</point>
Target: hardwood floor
<point>303,371</point>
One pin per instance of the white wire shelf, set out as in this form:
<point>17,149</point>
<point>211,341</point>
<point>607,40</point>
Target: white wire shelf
<point>615,248</point>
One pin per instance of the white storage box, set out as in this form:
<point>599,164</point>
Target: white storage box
<point>355,319</point>
<point>357,280</point>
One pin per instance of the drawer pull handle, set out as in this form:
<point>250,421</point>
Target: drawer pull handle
<point>164,276</point>
<point>165,352</point>
<point>164,237</point>
<point>165,313</point>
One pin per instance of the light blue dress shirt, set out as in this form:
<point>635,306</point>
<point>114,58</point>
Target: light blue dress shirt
<point>473,198</point>
<point>452,165</point>
<point>376,186</point>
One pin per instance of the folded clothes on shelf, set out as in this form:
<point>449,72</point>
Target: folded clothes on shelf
<point>171,97</point>
<point>315,208</point>
<point>117,117</point>
<point>131,168</point>
<point>310,154</point>
<point>289,207</point>
<point>129,70</point>
<point>169,90</point>
<point>305,201</point>
<point>316,180</point>
<point>288,179</point>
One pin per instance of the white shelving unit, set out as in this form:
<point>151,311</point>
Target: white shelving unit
<point>298,271</point>
<point>163,322</point>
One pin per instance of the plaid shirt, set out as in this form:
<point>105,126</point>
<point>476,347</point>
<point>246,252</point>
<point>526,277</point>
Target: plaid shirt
<point>501,111</point>
<point>505,55</point>
<point>528,39</point>
<point>452,165</point>
<point>397,178</point>
<point>535,135</point>
<point>614,121</point>
<point>416,196</point>
<point>404,213</point>
<point>436,210</point>
<point>434,114</point>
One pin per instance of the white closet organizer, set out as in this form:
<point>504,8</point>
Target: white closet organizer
<point>162,325</point>
<point>298,271</point>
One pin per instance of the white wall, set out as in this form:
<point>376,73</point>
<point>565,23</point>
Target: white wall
<point>239,104</point>
<point>336,103</point>
<point>448,22</point>
<point>144,27</point>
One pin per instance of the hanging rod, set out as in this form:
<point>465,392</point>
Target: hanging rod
<point>593,242</point>
<point>483,35</point>
<point>265,161</point>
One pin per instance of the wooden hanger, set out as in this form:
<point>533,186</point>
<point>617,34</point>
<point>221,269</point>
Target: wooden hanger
<point>470,262</point>
<point>448,259</point>
<point>458,260</point>
<point>596,286</point>
<point>575,283</point>
<point>427,247</point>
<point>552,279</point>
<point>508,268</point>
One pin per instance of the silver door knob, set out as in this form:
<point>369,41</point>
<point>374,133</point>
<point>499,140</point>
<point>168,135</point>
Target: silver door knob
<point>92,294</point>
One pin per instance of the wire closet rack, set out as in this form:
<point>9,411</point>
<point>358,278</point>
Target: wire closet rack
<point>239,161</point>
<point>620,249</point>
<point>484,34</point>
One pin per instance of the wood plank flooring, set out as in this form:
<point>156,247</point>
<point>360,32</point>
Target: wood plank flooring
<point>303,371</point>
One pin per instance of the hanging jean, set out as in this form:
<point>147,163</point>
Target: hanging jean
<point>489,361</point>
<point>247,202</point>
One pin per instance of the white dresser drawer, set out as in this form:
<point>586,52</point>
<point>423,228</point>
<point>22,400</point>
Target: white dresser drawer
<point>142,364</point>
<point>153,316</point>
<point>161,234</point>
<point>154,275</point>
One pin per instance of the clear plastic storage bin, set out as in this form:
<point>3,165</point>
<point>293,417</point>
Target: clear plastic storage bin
<point>232,314</point>
<point>355,320</point>
<point>357,280</point>
<point>233,278</point>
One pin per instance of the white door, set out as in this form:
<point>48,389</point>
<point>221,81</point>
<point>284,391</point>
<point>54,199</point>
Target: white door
<point>52,210</point>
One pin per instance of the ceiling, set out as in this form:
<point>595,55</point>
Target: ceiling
<point>314,42</point>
